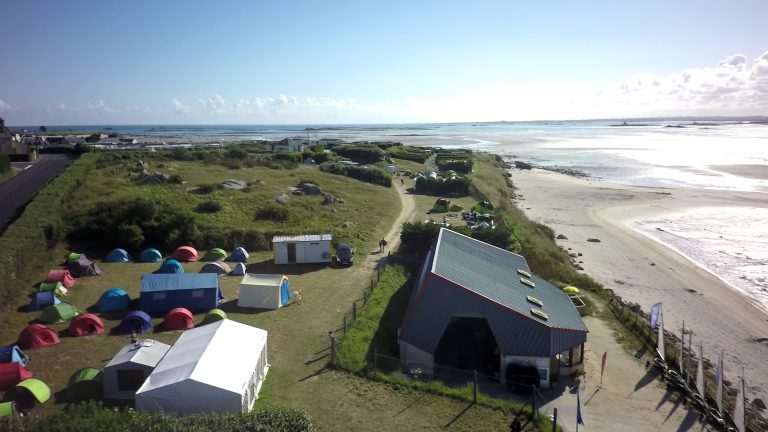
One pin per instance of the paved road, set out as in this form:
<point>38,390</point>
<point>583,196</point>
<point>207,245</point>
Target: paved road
<point>21,188</point>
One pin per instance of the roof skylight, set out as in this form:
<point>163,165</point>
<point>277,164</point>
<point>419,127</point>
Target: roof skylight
<point>528,282</point>
<point>540,314</point>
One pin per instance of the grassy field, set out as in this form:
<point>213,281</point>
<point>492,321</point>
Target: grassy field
<point>349,219</point>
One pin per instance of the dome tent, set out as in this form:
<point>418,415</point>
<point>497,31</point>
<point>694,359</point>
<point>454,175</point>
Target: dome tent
<point>114,299</point>
<point>56,287</point>
<point>214,315</point>
<point>239,270</point>
<point>30,393</point>
<point>85,384</point>
<point>37,336</point>
<point>216,254</point>
<point>118,256</point>
<point>83,267</point>
<point>86,324</point>
<point>170,266</point>
<point>136,321</point>
<point>239,255</point>
<point>13,354</point>
<point>42,300</point>
<point>59,313</point>
<point>150,255</point>
<point>218,267</point>
<point>179,319</point>
<point>63,276</point>
<point>185,253</point>
<point>12,374</point>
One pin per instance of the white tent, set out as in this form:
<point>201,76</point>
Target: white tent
<point>128,370</point>
<point>214,368</point>
<point>263,291</point>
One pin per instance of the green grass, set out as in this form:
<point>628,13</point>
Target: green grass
<point>348,220</point>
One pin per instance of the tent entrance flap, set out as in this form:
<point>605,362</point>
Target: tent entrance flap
<point>469,344</point>
<point>285,293</point>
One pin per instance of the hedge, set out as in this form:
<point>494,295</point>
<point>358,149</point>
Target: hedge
<point>367,174</point>
<point>360,153</point>
<point>458,186</point>
<point>94,417</point>
<point>408,153</point>
<point>27,242</point>
<point>5,164</point>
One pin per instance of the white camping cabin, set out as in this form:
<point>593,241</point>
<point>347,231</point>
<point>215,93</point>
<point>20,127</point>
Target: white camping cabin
<point>128,370</point>
<point>218,367</point>
<point>302,249</point>
<point>263,291</point>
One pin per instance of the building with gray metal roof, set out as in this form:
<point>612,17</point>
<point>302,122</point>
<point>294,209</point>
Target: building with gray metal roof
<point>472,297</point>
<point>127,370</point>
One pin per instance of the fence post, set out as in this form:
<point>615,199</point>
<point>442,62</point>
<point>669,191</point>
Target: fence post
<point>345,324</point>
<point>554,421</point>
<point>333,346</point>
<point>371,284</point>
<point>378,273</point>
<point>354,311</point>
<point>474,389</point>
<point>365,298</point>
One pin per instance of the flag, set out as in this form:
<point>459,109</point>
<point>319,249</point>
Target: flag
<point>719,382</point>
<point>602,366</point>
<point>655,311</point>
<point>660,338</point>
<point>579,419</point>
<point>738,410</point>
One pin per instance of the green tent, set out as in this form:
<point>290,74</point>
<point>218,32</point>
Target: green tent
<point>87,383</point>
<point>57,313</point>
<point>37,388</point>
<point>7,409</point>
<point>73,257</point>
<point>57,288</point>
<point>216,254</point>
<point>214,315</point>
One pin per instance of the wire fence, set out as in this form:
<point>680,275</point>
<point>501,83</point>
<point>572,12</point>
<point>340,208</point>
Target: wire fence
<point>637,321</point>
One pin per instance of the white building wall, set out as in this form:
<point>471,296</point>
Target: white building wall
<point>541,363</point>
<point>306,252</point>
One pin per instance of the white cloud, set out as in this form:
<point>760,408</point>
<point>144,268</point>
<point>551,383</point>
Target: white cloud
<point>179,108</point>
<point>213,105</point>
<point>5,106</point>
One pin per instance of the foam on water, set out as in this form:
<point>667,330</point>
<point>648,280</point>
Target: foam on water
<point>729,242</point>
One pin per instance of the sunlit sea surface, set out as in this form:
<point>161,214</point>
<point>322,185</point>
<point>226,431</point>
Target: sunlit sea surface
<point>732,243</point>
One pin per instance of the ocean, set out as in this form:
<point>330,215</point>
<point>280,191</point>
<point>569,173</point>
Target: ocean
<point>731,243</point>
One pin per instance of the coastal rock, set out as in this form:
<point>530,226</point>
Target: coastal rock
<point>593,240</point>
<point>523,165</point>
<point>281,199</point>
<point>157,178</point>
<point>562,237</point>
<point>234,184</point>
<point>328,199</point>
<point>310,189</point>
<point>579,254</point>
<point>578,267</point>
<point>298,192</point>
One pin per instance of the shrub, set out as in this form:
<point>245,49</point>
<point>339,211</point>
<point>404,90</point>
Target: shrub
<point>418,237</point>
<point>408,153</point>
<point>372,175</point>
<point>458,186</point>
<point>5,163</point>
<point>208,207</point>
<point>81,148</point>
<point>273,212</point>
<point>208,188</point>
<point>92,416</point>
<point>360,153</point>
<point>176,179</point>
<point>462,166</point>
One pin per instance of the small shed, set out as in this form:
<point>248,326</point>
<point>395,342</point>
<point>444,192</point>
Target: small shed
<point>216,368</point>
<point>302,249</point>
<point>263,291</point>
<point>194,291</point>
<point>128,370</point>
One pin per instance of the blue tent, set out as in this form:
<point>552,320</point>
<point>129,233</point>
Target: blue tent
<point>170,266</point>
<point>150,255</point>
<point>136,320</point>
<point>114,299</point>
<point>238,255</point>
<point>117,256</point>
<point>42,300</point>
<point>239,270</point>
<point>194,291</point>
<point>13,354</point>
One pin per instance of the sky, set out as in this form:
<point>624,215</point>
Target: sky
<point>91,62</point>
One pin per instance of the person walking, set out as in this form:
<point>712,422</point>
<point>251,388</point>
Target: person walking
<point>515,426</point>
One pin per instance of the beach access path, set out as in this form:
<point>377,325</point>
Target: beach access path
<point>19,190</point>
<point>644,271</point>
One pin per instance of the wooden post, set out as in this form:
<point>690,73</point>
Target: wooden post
<point>354,311</point>
<point>474,389</point>
<point>371,284</point>
<point>333,346</point>
<point>365,298</point>
<point>345,325</point>
<point>554,421</point>
<point>378,273</point>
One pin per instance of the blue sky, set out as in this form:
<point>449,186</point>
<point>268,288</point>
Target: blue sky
<point>246,62</point>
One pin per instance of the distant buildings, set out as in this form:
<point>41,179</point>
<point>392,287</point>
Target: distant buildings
<point>300,145</point>
<point>14,145</point>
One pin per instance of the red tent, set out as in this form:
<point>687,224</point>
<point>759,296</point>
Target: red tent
<point>12,374</point>
<point>86,324</point>
<point>178,319</point>
<point>185,253</point>
<point>37,336</point>
<point>63,276</point>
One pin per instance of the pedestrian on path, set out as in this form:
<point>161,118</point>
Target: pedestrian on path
<point>515,426</point>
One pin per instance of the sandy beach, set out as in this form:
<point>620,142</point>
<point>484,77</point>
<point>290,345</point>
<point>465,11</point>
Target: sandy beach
<point>645,271</point>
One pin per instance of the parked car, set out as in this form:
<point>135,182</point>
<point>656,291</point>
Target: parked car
<point>344,254</point>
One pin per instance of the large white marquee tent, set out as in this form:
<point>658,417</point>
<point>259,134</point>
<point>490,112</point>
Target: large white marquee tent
<point>218,367</point>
